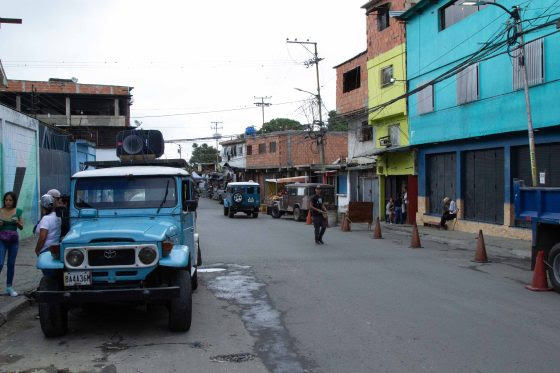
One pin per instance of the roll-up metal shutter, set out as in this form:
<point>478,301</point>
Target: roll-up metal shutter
<point>483,185</point>
<point>440,180</point>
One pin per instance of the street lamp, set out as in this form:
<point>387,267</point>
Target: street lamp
<point>516,15</point>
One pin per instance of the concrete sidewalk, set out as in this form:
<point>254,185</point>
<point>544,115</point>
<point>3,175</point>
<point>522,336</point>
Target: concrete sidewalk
<point>26,280</point>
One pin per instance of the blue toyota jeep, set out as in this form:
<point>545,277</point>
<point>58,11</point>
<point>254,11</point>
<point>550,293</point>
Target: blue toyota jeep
<point>132,239</point>
<point>242,197</point>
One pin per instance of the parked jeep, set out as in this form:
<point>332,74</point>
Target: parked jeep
<point>297,198</point>
<point>242,197</point>
<point>132,239</point>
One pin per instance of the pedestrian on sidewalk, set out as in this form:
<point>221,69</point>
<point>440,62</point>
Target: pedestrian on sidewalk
<point>319,215</point>
<point>398,210</point>
<point>10,222</point>
<point>404,205</point>
<point>449,212</point>
<point>390,211</point>
<point>61,211</point>
<point>48,227</point>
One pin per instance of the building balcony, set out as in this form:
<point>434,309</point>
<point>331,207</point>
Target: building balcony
<point>84,120</point>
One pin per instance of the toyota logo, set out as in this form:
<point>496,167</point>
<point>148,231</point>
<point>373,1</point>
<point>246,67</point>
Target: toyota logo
<point>110,254</point>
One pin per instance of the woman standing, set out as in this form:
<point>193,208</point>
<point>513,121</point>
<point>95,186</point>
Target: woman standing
<point>10,222</point>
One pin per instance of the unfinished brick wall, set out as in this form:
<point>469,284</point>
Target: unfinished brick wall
<point>65,87</point>
<point>293,149</point>
<point>357,98</point>
<point>379,42</point>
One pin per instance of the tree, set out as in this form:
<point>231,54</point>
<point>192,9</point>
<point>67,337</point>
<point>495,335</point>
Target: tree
<point>336,122</point>
<point>203,154</point>
<point>280,124</point>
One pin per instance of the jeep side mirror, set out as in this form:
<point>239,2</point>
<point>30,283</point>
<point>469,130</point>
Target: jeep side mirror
<point>190,205</point>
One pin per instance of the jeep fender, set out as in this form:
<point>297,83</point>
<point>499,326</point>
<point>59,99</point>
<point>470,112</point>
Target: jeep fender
<point>178,257</point>
<point>46,261</point>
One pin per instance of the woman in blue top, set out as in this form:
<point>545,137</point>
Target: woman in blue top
<point>10,222</point>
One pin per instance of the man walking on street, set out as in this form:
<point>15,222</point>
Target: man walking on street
<point>319,215</point>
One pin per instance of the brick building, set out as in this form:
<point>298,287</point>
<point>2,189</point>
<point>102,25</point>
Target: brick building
<point>291,153</point>
<point>92,112</point>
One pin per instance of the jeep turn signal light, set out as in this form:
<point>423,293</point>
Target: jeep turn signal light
<point>166,247</point>
<point>55,251</point>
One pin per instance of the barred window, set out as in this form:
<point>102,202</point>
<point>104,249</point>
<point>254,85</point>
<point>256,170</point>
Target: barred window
<point>387,76</point>
<point>272,147</point>
<point>394,134</point>
<point>262,148</point>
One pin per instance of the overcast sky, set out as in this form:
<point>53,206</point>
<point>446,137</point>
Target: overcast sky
<point>187,56</point>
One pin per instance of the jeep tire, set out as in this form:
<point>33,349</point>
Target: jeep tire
<point>297,214</point>
<point>225,211</point>
<point>554,266</point>
<point>52,316</point>
<point>255,214</point>
<point>231,213</point>
<point>276,214</point>
<point>180,308</point>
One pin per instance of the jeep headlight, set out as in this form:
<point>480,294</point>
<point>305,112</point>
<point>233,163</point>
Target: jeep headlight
<point>237,198</point>
<point>75,258</point>
<point>147,255</point>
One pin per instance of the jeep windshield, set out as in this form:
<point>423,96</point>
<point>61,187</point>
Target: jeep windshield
<point>125,192</point>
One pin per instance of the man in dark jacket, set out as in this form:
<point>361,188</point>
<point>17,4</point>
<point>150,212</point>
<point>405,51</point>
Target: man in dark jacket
<point>319,215</point>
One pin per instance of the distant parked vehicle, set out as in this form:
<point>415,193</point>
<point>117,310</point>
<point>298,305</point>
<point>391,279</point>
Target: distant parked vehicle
<point>219,194</point>
<point>297,198</point>
<point>242,197</point>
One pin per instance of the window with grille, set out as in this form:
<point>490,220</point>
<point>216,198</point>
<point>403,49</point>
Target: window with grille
<point>249,149</point>
<point>366,132</point>
<point>262,148</point>
<point>351,80</point>
<point>272,147</point>
<point>455,11</point>
<point>534,58</point>
<point>382,18</point>
<point>394,134</point>
<point>425,102</point>
<point>467,85</point>
<point>387,76</point>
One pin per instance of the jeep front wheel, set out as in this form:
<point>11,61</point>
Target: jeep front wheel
<point>180,308</point>
<point>297,214</point>
<point>52,316</point>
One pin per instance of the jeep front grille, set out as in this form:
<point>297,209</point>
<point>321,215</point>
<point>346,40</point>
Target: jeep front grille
<point>111,257</point>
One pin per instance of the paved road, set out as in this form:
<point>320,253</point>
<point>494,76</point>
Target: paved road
<point>276,301</point>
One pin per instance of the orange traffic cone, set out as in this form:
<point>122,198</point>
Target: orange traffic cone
<point>308,220</point>
<point>480,254</point>
<point>377,230</point>
<point>415,241</point>
<point>540,282</point>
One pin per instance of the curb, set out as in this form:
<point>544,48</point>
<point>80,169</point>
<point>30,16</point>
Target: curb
<point>8,311</point>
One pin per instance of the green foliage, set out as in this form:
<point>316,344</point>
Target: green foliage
<point>280,124</point>
<point>336,122</point>
<point>203,154</point>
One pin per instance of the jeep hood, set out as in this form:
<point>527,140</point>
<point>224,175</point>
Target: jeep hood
<point>136,229</point>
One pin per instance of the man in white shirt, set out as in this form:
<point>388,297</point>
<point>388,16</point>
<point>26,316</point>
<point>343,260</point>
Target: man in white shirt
<point>449,211</point>
<point>48,227</point>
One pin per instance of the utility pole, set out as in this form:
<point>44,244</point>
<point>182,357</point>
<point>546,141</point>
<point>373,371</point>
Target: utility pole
<point>216,126</point>
<point>315,61</point>
<point>262,104</point>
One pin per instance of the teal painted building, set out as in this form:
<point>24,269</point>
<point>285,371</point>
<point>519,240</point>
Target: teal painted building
<point>470,128</point>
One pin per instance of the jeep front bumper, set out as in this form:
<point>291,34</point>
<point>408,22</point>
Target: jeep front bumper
<point>108,295</point>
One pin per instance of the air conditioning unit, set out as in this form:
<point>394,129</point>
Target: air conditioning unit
<point>141,144</point>
<point>385,141</point>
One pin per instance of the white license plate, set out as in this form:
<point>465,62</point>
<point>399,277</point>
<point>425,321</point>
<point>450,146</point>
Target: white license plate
<point>250,199</point>
<point>77,278</point>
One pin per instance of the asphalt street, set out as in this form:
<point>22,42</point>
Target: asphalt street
<point>270,299</point>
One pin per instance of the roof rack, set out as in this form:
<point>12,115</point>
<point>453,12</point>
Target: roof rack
<point>176,163</point>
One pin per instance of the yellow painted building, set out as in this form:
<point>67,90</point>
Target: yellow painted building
<point>395,163</point>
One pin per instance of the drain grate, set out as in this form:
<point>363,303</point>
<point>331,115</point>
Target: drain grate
<point>233,358</point>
